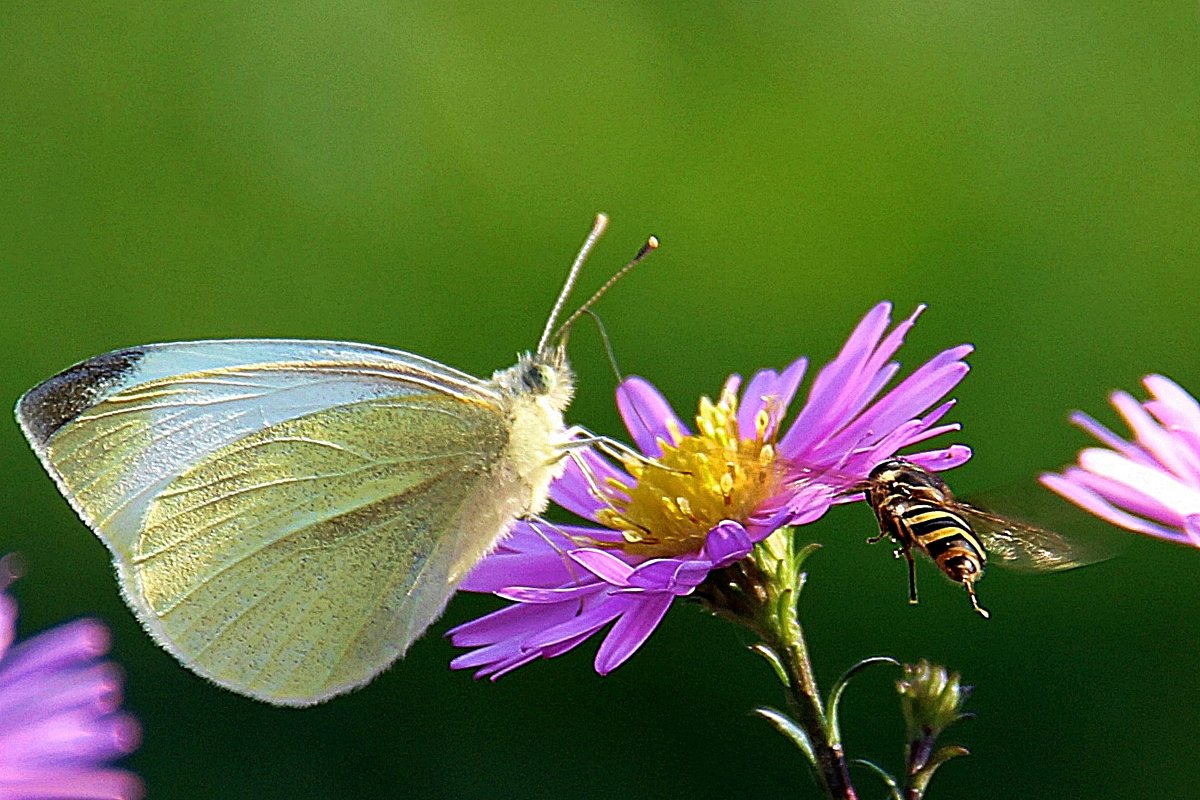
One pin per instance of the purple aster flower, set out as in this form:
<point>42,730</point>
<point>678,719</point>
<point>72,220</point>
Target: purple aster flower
<point>59,718</point>
<point>707,498</point>
<point>1151,484</point>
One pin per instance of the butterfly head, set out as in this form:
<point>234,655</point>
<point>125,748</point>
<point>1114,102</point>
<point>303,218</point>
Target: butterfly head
<point>544,376</point>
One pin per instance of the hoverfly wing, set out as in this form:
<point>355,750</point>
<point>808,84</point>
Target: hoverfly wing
<point>1021,547</point>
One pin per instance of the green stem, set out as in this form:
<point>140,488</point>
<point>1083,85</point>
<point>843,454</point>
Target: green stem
<point>918,753</point>
<point>760,593</point>
<point>786,637</point>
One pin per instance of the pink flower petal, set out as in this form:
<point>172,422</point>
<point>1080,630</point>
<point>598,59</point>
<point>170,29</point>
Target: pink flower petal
<point>647,415</point>
<point>575,493</point>
<point>603,565</point>
<point>631,631</point>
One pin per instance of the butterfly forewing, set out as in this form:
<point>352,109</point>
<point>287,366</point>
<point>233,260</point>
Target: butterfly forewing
<point>286,516</point>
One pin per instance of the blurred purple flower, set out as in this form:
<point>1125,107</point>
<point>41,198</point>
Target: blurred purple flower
<point>59,718</point>
<point>1151,484</point>
<point>712,495</point>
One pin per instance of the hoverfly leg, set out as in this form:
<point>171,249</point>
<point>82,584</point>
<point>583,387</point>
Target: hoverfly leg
<point>912,577</point>
<point>876,539</point>
<point>983,612</point>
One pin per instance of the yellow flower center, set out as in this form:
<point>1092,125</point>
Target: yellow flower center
<point>697,482</point>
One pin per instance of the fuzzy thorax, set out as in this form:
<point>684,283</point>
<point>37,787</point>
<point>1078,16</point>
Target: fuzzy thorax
<point>536,391</point>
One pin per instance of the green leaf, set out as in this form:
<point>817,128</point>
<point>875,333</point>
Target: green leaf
<point>835,696</point>
<point>884,775</point>
<point>773,659</point>
<point>804,552</point>
<point>790,729</point>
<point>920,781</point>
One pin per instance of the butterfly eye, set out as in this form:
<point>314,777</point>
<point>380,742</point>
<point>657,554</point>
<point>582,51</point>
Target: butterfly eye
<point>538,378</point>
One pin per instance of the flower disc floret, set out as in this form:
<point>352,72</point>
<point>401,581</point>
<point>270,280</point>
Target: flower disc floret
<point>697,482</point>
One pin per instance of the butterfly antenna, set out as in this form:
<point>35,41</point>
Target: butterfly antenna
<point>608,348</point>
<point>597,229</point>
<point>645,250</point>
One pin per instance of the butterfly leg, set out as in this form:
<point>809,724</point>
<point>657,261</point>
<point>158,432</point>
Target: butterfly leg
<point>613,448</point>
<point>536,523</point>
<point>589,478</point>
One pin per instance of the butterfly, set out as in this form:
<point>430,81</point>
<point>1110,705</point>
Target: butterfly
<point>286,517</point>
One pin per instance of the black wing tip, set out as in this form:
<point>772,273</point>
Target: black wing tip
<point>50,405</point>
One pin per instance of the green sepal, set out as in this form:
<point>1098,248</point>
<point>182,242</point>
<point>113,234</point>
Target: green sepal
<point>884,775</point>
<point>835,695</point>
<point>785,725</point>
<point>920,781</point>
<point>773,659</point>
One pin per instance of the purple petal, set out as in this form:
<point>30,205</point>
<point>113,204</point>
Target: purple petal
<point>574,492</point>
<point>727,543</point>
<point>591,619</point>
<point>810,503</point>
<point>938,460</point>
<point>1107,437</point>
<point>1153,439</point>
<point>931,381</point>
<point>838,376</point>
<point>1167,490</point>
<point>1191,528</point>
<point>1173,405</point>
<point>603,565</point>
<point>529,558</point>
<point>58,714</point>
<point>771,391</point>
<point>75,783</point>
<point>647,415</point>
<point>677,576</point>
<point>76,641</point>
<point>1129,497</point>
<point>891,343</point>
<point>1092,502</point>
<point>631,630</point>
<point>515,621</point>
<point>532,594</point>
<point>8,624</point>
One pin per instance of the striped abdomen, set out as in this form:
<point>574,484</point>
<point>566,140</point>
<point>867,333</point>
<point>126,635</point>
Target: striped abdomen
<point>946,538</point>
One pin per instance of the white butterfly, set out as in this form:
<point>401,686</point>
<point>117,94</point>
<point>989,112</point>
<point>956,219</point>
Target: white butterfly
<point>287,517</point>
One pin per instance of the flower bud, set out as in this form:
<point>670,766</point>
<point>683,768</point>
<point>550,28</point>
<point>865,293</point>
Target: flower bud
<point>931,698</point>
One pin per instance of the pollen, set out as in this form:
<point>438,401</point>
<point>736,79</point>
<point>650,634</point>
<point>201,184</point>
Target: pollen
<point>697,482</point>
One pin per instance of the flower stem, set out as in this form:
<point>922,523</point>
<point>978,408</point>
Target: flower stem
<point>760,593</point>
<point>918,753</point>
<point>786,638</point>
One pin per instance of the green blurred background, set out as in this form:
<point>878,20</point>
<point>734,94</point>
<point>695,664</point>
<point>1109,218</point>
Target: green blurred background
<point>420,176</point>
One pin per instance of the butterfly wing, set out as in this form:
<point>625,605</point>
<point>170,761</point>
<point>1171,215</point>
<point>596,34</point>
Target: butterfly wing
<point>285,516</point>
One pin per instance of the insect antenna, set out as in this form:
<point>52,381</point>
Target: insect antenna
<point>593,236</point>
<point>650,245</point>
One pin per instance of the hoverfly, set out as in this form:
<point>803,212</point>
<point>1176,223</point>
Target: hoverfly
<point>917,509</point>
